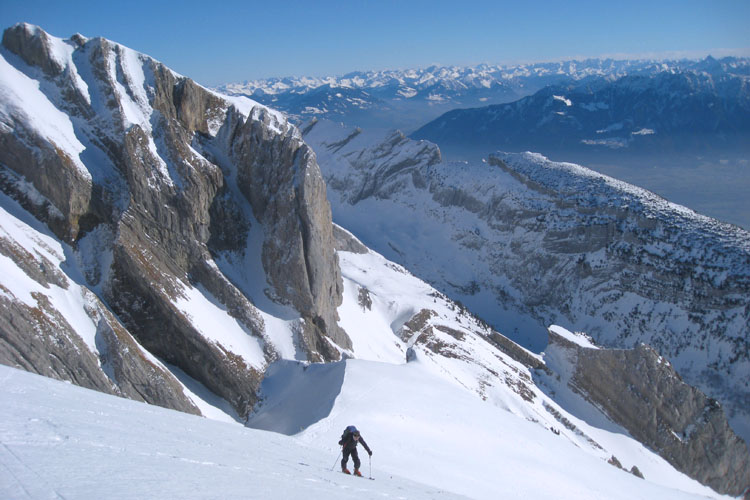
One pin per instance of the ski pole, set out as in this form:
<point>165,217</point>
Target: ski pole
<point>370,457</point>
<point>337,459</point>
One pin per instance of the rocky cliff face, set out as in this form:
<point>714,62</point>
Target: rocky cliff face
<point>640,390</point>
<point>525,243</point>
<point>162,196</point>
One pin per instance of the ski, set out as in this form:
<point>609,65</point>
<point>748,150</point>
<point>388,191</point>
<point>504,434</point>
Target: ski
<point>354,475</point>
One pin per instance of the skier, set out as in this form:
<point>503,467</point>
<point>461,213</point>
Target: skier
<point>348,443</point>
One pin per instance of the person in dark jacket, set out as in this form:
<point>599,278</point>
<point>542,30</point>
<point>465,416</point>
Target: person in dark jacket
<point>348,444</point>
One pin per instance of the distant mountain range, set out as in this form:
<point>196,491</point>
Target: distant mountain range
<point>678,128</point>
<point>703,106</point>
<point>407,99</point>
<point>681,130</point>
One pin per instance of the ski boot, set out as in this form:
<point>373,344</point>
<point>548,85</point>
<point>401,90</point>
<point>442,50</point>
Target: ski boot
<point>357,473</point>
<point>346,471</point>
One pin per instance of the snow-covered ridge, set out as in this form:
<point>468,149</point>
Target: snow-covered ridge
<point>407,99</point>
<point>670,106</point>
<point>21,97</point>
<point>125,67</point>
<point>46,109</point>
<point>590,189</point>
<point>684,124</point>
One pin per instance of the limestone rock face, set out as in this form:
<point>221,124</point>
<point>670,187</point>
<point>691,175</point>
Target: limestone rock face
<point>525,242</point>
<point>279,176</point>
<point>640,390</point>
<point>163,196</point>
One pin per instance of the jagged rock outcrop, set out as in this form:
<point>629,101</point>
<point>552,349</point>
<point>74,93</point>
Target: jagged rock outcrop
<point>640,390</point>
<point>166,196</point>
<point>629,267</point>
<point>283,184</point>
<point>463,344</point>
<point>346,242</point>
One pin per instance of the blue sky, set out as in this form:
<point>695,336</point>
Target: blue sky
<point>227,41</point>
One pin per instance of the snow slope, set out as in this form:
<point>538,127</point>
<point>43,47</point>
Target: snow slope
<point>456,390</point>
<point>62,441</point>
<point>437,417</point>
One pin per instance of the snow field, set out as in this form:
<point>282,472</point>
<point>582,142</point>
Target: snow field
<point>63,441</point>
<point>433,432</point>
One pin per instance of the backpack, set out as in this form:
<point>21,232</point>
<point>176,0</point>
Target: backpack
<point>349,430</point>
